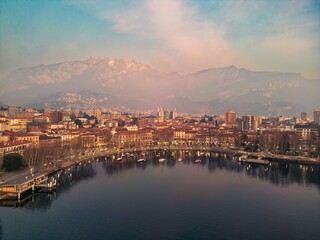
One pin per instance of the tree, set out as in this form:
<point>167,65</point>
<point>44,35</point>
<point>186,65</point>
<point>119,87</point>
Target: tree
<point>203,120</point>
<point>78,122</point>
<point>34,156</point>
<point>121,123</point>
<point>135,121</point>
<point>73,117</point>
<point>242,140</point>
<point>85,115</point>
<point>12,161</point>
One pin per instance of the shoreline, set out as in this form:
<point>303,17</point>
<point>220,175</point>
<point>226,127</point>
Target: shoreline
<point>103,152</point>
<point>96,153</point>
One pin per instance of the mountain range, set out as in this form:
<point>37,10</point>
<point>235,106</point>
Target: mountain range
<point>140,86</point>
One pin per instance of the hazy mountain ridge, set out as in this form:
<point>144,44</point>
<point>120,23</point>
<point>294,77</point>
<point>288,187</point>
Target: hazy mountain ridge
<point>140,86</point>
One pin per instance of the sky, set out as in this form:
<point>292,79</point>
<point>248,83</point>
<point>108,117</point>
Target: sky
<point>170,35</point>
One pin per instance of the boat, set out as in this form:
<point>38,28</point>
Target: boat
<point>259,160</point>
<point>143,154</point>
<point>141,160</point>
<point>242,158</point>
<point>197,161</point>
<point>162,160</point>
<point>131,155</point>
<point>119,159</point>
<point>179,159</point>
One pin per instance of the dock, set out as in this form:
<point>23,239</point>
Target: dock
<point>16,188</point>
<point>255,161</point>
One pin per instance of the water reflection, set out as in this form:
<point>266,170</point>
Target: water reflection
<point>279,174</point>
<point>0,230</point>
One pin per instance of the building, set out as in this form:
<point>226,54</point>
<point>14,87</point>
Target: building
<point>4,125</point>
<point>38,127</point>
<point>230,118</point>
<point>12,111</point>
<point>166,114</point>
<point>69,138</point>
<point>163,136</point>
<point>3,112</point>
<point>14,147</point>
<point>25,137</point>
<point>98,113</point>
<point>132,128</point>
<point>249,123</point>
<point>88,140</point>
<point>160,114</point>
<point>304,116</point>
<point>125,138</point>
<point>173,114</point>
<point>316,116</point>
<point>56,116</point>
<point>307,131</point>
<point>184,136</point>
<point>51,141</point>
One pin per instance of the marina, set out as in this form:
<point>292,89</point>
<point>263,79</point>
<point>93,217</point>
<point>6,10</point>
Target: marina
<point>27,183</point>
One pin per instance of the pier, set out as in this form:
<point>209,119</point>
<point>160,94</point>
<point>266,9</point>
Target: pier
<point>22,184</point>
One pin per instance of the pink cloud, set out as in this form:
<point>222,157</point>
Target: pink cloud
<point>288,45</point>
<point>188,42</point>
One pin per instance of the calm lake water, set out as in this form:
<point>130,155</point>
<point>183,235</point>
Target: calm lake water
<point>217,199</point>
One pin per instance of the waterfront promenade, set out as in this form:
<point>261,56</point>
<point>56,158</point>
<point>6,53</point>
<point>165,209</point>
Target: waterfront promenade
<point>23,176</point>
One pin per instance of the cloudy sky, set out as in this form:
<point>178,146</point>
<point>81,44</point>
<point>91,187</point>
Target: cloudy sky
<point>171,35</point>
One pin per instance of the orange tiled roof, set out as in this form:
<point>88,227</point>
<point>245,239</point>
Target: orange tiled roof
<point>13,143</point>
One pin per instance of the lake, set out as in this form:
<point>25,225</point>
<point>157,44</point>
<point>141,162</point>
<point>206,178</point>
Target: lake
<point>218,198</point>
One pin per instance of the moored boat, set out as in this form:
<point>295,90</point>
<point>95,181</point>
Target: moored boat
<point>141,160</point>
<point>197,161</point>
<point>162,160</point>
